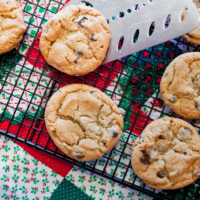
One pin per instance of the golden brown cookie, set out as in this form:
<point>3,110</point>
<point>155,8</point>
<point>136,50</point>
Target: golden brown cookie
<point>193,36</point>
<point>180,86</point>
<point>167,154</point>
<point>83,122</point>
<point>12,25</point>
<point>76,40</point>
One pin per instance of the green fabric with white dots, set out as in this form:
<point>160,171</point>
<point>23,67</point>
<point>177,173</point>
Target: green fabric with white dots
<point>68,191</point>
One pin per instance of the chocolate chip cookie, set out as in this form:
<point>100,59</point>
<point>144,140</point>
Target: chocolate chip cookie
<point>193,36</point>
<point>167,154</point>
<point>180,86</point>
<point>12,25</point>
<point>83,122</point>
<point>76,40</point>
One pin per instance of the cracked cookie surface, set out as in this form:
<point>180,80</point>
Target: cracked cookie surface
<point>167,154</point>
<point>76,40</point>
<point>193,36</point>
<point>12,25</point>
<point>83,122</point>
<point>180,86</point>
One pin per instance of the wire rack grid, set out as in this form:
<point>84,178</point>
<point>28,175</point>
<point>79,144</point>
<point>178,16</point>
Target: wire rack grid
<point>27,82</point>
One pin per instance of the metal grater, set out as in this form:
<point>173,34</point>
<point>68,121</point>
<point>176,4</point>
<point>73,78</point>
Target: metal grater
<point>140,24</point>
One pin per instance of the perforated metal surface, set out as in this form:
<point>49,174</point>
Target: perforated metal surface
<point>133,82</point>
<point>128,16</point>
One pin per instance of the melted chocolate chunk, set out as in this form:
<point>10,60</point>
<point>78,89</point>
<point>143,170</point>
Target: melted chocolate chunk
<point>76,61</point>
<point>80,53</point>
<point>160,174</point>
<point>173,99</point>
<point>161,137</point>
<point>145,161</point>
<point>115,134</point>
<point>92,37</point>
<point>79,155</point>
<point>81,20</point>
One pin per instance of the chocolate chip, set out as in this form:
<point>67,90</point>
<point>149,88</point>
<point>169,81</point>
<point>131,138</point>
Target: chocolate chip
<point>79,155</point>
<point>76,61</point>
<point>92,92</point>
<point>161,137</point>
<point>185,154</point>
<point>92,37</point>
<point>81,20</point>
<point>80,53</point>
<point>115,134</point>
<point>7,2</point>
<point>140,137</point>
<point>173,99</point>
<point>145,161</point>
<point>47,30</point>
<point>160,174</point>
<point>198,77</point>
